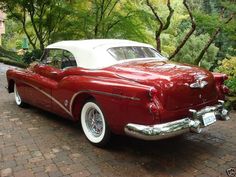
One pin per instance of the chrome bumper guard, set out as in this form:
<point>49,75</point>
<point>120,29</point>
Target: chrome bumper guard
<point>189,124</point>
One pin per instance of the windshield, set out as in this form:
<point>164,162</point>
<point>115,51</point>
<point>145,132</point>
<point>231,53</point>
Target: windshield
<point>133,52</point>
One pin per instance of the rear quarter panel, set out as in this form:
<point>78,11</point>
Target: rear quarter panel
<point>121,101</point>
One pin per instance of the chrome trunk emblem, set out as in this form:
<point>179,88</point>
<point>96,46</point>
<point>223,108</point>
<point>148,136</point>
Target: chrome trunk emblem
<point>199,83</point>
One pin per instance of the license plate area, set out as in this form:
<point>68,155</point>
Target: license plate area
<point>208,118</point>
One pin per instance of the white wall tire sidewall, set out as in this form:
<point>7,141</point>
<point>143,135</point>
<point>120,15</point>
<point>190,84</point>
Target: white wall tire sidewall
<point>87,132</point>
<point>17,96</point>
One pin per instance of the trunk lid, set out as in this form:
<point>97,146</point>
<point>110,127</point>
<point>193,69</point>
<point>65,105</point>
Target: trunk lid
<point>180,85</point>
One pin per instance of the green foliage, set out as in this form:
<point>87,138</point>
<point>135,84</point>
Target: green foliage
<point>231,83</point>
<point>39,19</point>
<point>106,19</point>
<point>44,22</point>
<point>207,22</point>
<point>229,5</point>
<point>191,49</point>
<point>19,44</point>
<point>13,35</point>
<point>12,62</point>
<point>9,54</point>
<point>228,66</point>
<point>29,57</point>
<point>215,14</point>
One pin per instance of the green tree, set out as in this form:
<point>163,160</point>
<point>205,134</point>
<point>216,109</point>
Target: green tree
<point>165,20</point>
<point>162,26</point>
<point>39,18</point>
<point>218,21</point>
<point>13,33</point>
<point>103,17</point>
<point>190,51</point>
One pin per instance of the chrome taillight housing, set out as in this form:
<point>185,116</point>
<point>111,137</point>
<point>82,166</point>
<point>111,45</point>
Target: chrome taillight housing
<point>152,91</point>
<point>225,77</point>
<point>224,89</point>
<point>153,108</point>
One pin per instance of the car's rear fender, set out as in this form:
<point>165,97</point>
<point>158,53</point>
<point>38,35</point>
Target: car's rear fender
<point>121,101</point>
<point>78,103</point>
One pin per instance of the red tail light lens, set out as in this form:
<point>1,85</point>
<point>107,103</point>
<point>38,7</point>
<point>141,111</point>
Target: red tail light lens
<point>225,77</point>
<point>225,89</point>
<point>153,108</point>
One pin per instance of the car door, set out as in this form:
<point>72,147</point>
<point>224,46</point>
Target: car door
<point>48,73</point>
<point>61,95</point>
<point>51,72</point>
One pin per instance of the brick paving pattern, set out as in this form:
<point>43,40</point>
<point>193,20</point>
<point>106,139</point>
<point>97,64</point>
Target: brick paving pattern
<point>36,143</point>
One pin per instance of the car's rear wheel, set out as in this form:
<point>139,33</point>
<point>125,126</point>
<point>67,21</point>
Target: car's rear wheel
<point>94,124</point>
<point>18,99</point>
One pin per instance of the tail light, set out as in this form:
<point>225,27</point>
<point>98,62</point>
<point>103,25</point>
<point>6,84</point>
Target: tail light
<point>225,77</point>
<point>221,88</point>
<point>153,108</point>
<point>225,89</point>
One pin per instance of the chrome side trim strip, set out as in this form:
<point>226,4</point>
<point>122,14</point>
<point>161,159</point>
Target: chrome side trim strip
<point>101,93</point>
<point>74,96</point>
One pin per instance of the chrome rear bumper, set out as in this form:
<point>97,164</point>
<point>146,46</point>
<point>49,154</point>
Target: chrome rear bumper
<point>174,128</point>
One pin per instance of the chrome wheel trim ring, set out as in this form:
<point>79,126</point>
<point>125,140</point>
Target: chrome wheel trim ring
<point>94,122</point>
<point>95,132</point>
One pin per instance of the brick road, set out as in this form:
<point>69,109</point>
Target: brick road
<point>36,143</point>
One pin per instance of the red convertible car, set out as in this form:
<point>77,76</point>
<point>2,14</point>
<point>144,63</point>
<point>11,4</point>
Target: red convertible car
<point>120,87</point>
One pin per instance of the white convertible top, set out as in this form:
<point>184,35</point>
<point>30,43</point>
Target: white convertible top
<point>92,54</point>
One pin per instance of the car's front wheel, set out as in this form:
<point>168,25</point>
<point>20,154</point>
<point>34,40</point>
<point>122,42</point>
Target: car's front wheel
<point>94,124</point>
<point>18,99</point>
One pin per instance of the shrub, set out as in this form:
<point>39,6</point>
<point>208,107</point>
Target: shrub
<point>228,66</point>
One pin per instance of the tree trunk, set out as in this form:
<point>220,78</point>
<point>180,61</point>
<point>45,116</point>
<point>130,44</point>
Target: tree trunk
<point>36,30</point>
<point>29,38</point>
<point>180,46</point>
<point>158,42</point>
<point>203,51</point>
<point>162,26</point>
<point>187,35</point>
<point>214,35</point>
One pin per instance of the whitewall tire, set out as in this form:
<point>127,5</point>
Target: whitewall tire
<point>94,124</point>
<point>18,99</point>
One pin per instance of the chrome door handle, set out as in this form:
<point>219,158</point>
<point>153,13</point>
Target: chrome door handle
<point>53,73</point>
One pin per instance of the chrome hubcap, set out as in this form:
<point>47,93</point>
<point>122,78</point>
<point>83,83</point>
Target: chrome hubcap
<point>94,122</point>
